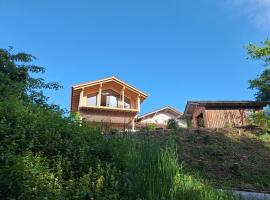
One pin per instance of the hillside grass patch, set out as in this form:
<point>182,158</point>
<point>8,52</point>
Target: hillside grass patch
<point>227,157</point>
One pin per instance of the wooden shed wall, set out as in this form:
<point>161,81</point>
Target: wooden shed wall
<point>197,112</point>
<point>219,118</point>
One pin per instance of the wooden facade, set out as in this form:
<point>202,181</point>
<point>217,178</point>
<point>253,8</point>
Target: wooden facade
<point>219,114</point>
<point>108,100</point>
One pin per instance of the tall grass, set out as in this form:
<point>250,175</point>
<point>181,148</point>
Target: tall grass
<point>154,172</point>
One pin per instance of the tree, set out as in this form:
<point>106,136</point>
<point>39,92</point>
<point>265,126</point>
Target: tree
<point>16,79</point>
<point>261,119</point>
<point>262,82</point>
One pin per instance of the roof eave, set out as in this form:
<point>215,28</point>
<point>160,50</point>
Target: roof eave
<point>112,78</point>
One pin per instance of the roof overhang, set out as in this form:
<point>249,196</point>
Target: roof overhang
<point>109,79</point>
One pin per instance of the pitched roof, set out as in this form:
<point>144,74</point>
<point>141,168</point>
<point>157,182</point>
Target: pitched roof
<point>159,110</point>
<point>112,78</point>
<point>192,104</point>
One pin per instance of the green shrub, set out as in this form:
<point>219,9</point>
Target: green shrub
<point>151,127</point>
<point>189,123</point>
<point>228,125</point>
<point>46,154</point>
<point>172,124</point>
<point>114,131</point>
<point>261,119</point>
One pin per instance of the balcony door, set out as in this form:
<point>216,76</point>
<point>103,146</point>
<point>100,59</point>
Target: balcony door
<point>110,98</point>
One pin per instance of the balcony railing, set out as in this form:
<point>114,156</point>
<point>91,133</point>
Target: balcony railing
<point>84,105</point>
<point>135,106</point>
<point>109,108</point>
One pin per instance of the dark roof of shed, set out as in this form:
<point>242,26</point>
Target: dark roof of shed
<point>259,104</point>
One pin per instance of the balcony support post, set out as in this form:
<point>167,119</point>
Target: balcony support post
<point>81,99</point>
<point>138,103</point>
<point>123,97</point>
<point>99,95</point>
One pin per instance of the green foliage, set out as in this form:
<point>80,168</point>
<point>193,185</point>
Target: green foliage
<point>261,119</point>
<point>48,155</point>
<point>163,167</point>
<point>262,82</point>
<point>150,127</point>
<point>16,79</point>
<point>113,131</point>
<point>154,171</point>
<point>77,116</point>
<point>31,178</point>
<point>189,123</point>
<point>172,124</point>
<point>228,125</point>
<point>44,154</point>
<point>261,53</point>
<point>262,85</point>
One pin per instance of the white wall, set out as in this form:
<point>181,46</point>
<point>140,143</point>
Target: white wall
<point>162,118</point>
<point>182,123</point>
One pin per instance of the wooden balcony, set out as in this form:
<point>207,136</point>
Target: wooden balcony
<point>106,108</point>
<point>83,105</point>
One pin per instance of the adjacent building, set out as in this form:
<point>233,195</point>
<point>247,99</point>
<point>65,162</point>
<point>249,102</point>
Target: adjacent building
<point>108,101</point>
<point>219,114</point>
<point>160,118</point>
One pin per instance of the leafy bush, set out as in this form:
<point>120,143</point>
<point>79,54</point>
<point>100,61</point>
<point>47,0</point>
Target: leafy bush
<point>113,131</point>
<point>172,124</point>
<point>189,123</point>
<point>151,127</point>
<point>261,119</point>
<point>228,125</point>
<point>44,154</point>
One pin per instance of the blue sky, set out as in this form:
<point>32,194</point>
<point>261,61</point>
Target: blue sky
<point>174,50</point>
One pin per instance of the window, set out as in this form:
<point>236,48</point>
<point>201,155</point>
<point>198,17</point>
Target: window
<point>127,103</point>
<point>111,101</point>
<point>92,100</point>
<point>110,98</point>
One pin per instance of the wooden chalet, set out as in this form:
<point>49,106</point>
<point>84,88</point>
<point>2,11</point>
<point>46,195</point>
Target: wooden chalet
<point>108,100</point>
<point>219,114</point>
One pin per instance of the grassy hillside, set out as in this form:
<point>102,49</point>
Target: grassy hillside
<point>225,157</point>
<point>47,154</point>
